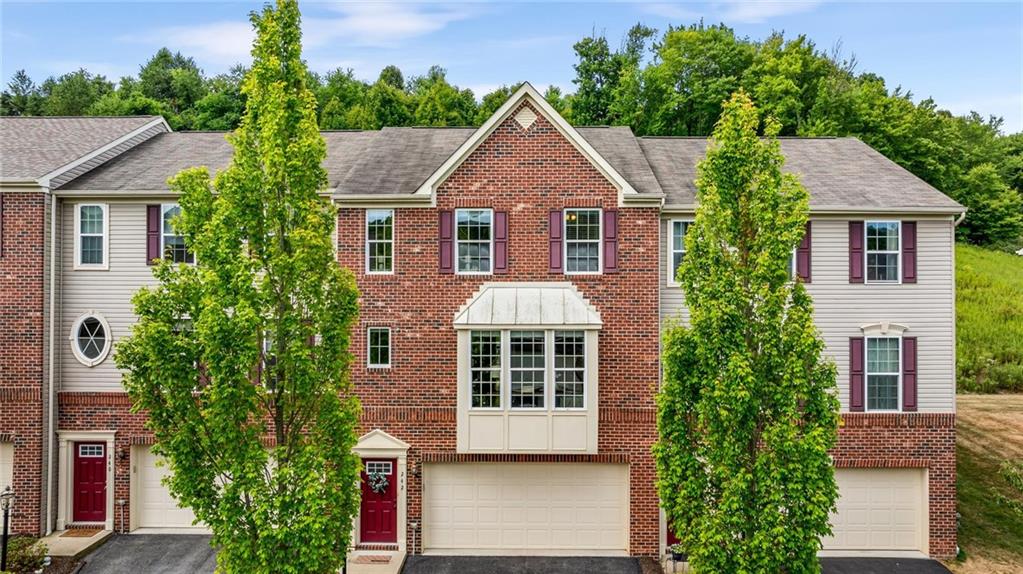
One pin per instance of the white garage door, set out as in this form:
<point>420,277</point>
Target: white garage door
<point>879,509</point>
<point>6,465</point>
<point>520,508</point>
<point>155,505</point>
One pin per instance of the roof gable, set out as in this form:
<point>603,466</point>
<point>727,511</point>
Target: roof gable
<point>525,93</point>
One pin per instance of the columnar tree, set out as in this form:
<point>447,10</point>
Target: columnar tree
<point>241,360</point>
<point>747,410</point>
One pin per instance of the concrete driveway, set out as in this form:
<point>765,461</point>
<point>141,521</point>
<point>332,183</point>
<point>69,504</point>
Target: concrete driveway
<point>153,554</point>
<point>882,566</point>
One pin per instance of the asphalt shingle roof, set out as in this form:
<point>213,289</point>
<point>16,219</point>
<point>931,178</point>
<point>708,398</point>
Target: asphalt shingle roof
<point>839,173</point>
<point>31,147</point>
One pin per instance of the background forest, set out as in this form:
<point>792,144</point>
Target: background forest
<point>671,83</point>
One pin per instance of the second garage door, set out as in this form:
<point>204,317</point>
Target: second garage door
<point>519,508</point>
<point>879,509</point>
<point>155,506</point>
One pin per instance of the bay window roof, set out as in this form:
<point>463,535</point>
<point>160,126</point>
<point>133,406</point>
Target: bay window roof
<point>513,305</point>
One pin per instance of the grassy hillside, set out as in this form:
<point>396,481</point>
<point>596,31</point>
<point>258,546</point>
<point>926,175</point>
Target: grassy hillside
<point>989,320</point>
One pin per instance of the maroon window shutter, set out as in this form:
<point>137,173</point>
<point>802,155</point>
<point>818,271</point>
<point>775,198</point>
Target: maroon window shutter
<point>152,234</point>
<point>610,241</point>
<point>555,232</point>
<point>856,351</point>
<point>856,252</point>
<point>447,242</point>
<point>909,373</point>
<point>2,225</point>
<point>909,252</point>
<point>500,242</point>
<point>803,256</point>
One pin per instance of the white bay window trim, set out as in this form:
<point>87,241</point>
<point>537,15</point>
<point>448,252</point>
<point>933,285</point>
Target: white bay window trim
<point>104,236</point>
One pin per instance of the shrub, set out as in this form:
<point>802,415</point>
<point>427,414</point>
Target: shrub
<point>25,554</point>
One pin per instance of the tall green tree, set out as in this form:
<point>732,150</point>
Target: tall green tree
<point>995,216</point>
<point>241,360</point>
<point>22,97</point>
<point>747,411</point>
<point>599,72</point>
<point>173,79</point>
<point>74,93</point>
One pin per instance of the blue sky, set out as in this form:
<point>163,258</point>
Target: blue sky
<point>967,56</point>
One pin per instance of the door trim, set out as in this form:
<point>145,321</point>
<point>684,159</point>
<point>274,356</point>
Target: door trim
<point>65,473</point>
<point>377,444</point>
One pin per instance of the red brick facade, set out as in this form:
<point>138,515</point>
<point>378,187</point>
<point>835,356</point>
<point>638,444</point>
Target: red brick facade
<point>22,363</point>
<point>527,173</point>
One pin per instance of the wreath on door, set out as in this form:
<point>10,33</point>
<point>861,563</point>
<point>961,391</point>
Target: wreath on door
<point>377,482</point>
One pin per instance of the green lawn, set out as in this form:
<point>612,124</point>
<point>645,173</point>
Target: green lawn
<point>989,320</point>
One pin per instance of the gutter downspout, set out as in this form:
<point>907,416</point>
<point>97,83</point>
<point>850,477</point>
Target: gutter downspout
<point>50,391</point>
<point>959,219</point>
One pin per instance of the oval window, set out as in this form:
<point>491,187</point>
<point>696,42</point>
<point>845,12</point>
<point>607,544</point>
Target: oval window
<point>90,339</point>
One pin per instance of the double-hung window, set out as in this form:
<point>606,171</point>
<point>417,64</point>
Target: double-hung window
<point>582,241</point>
<point>883,251</point>
<point>569,369</point>
<point>172,245</point>
<point>380,241</point>
<point>485,369</point>
<point>532,358</point>
<point>528,369</point>
<point>379,347</point>
<point>884,373</point>
<point>677,230</point>
<point>474,239</point>
<point>91,227</point>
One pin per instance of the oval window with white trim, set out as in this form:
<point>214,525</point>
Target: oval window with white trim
<point>90,339</point>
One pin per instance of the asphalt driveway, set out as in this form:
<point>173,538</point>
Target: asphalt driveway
<point>153,554</point>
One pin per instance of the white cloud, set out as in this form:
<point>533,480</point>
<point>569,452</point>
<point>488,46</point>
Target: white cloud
<point>671,11</point>
<point>755,12</point>
<point>220,43</point>
<point>379,25</point>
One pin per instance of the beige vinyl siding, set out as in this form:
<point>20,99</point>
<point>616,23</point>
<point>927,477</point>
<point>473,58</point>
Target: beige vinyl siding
<point>107,292</point>
<point>842,308</point>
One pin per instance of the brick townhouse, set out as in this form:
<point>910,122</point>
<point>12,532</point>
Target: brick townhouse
<point>514,282</point>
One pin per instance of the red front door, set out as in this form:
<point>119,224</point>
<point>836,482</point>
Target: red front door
<point>90,477</point>
<point>378,519</point>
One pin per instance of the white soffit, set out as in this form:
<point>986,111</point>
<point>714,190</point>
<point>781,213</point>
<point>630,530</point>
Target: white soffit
<point>498,305</point>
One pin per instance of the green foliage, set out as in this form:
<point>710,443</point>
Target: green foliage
<point>747,411</point>
<point>25,555</point>
<point>996,214</point>
<point>241,361</point>
<point>73,94</point>
<point>22,97</point>
<point>989,320</point>
<point>599,73</point>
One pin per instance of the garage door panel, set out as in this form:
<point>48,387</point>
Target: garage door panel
<point>526,506</point>
<point>155,505</point>
<point>879,509</point>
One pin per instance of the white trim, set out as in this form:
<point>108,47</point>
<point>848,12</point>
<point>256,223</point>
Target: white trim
<point>369,346</point>
<point>377,444</point>
<point>65,474</point>
<point>866,374</point>
<point>844,210</point>
<point>867,252</point>
<point>491,251</point>
<point>883,329</point>
<point>79,266</point>
<point>600,240</point>
<point>45,180</point>
<point>366,241</point>
<point>526,91</point>
<point>163,234</point>
<point>586,371</point>
<point>670,268</point>
<point>107,339</point>
<point>507,367</point>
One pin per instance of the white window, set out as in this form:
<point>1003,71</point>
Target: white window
<point>527,359</point>
<point>474,240</point>
<point>90,339</point>
<point>528,370</point>
<point>380,241</point>
<point>379,351</point>
<point>90,451</point>
<point>172,245</point>
<point>91,229</point>
<point>582,241</point>
<point>383,467</point>
<point>677,230</point>
<point>569,370</point>
<point>485,369</point>
<point>884,373</point>
<point>883,251</point>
